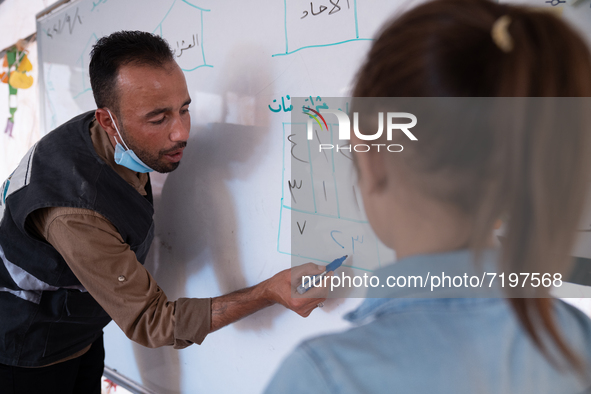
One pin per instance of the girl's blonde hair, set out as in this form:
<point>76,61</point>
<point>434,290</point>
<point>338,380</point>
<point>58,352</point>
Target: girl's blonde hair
<point>447,48</point>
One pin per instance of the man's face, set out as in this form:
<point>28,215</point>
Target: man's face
<point>153,113</point>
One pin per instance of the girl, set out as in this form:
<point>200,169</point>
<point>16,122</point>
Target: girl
<point>437,203</point>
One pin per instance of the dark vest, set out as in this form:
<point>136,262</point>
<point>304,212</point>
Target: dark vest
<point>45,313</point>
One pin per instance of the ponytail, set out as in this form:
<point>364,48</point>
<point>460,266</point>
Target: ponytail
<point>546,169</point>
<point>446,49</point>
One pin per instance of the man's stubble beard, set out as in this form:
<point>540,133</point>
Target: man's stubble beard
<point>149,159</point>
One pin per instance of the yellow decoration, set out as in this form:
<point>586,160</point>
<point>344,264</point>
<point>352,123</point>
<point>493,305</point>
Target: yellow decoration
<point>25,65</point>
<point>20,80</point>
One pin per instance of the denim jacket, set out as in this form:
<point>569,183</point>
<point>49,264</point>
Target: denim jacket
<point>436,345</point>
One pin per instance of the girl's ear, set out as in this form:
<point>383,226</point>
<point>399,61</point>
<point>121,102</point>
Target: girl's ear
<point>373,173</point>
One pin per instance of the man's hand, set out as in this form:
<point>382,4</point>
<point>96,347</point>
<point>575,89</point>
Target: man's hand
<point>281,289</point>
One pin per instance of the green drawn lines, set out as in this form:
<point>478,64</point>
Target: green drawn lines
<point>356,23</point>
<point>289,52</point>
<point>159,30</point>
<point>287,208</point>
<point>96,4</point>
<point>84,66</point>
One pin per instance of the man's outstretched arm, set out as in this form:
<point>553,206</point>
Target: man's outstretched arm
<point>110,272</point>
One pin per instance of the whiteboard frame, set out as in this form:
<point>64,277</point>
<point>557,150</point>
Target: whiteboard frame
<point>40,76</point>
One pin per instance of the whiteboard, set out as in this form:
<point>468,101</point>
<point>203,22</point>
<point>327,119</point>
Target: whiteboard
<point>220,219</point>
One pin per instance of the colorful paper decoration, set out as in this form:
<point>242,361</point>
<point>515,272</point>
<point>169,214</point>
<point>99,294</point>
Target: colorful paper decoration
<point>20,80</point>
<point>15,66</point>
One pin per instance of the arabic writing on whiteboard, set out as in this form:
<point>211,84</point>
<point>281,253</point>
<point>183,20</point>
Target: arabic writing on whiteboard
<point>321,212</point>
<point>317,103</point>
<point>178,50</point>
<point>60,25</point>
<point>335,8</point>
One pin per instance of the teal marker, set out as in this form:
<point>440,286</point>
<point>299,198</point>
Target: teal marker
<point>318,278</point>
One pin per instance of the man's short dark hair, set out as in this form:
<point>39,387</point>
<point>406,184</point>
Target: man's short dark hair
<point>119,49</point>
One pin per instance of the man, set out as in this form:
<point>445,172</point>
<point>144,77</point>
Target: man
<point>76,225</point>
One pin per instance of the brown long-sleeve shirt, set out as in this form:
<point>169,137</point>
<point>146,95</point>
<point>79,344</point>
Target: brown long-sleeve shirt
<point>109,270</point>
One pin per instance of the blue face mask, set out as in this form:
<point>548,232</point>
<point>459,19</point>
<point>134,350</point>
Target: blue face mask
<point>126,157</point>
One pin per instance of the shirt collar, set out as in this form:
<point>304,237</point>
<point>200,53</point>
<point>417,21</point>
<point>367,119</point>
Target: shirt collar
<point>454,263</point>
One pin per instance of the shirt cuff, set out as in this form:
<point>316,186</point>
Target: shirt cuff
<point>192,321</point>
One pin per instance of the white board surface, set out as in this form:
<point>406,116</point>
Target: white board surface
<point>218,217</point>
